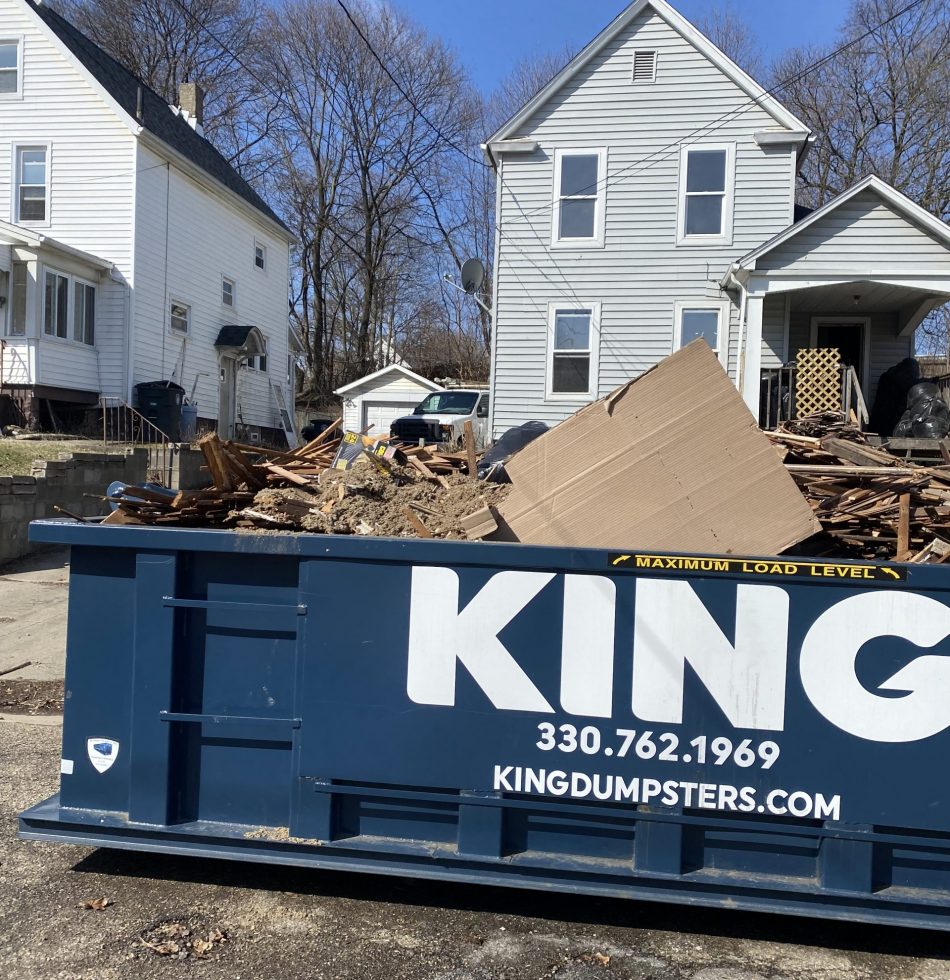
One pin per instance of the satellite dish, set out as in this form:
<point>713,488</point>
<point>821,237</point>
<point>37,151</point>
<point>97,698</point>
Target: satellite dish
<point>473,274</point>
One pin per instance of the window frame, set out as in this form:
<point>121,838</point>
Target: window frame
<point>10,325</point>
<point>175,332</point>
<point>17,147</point>
<point>724,237</point>
<point>259,245</point>
<point>228,281</point>
<point>16,39</point>
<point>600,198</point>
<point>45,334</point>
<point>86,284</point>
<point>722,306</point>
<point>71,280</point>
<point>550,395</point>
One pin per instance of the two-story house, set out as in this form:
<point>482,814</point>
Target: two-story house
<point>646,197</point>
<point>130,250</point>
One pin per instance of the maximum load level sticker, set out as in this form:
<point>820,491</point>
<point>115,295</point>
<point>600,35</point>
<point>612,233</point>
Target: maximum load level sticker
<point>751,566</point>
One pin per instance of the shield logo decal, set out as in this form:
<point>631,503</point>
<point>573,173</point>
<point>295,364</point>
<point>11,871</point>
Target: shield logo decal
<point>102,752</point>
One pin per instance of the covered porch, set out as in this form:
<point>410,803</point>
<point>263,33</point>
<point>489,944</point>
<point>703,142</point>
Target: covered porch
<point>856,277</point>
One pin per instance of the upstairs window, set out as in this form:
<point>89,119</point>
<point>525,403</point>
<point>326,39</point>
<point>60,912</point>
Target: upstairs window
<point>579,196</point>
<point>227,291</point>
<point>260,257</point>
<point>573,340</point>
<point>706,186</point>
<point>644,66</point>
<point>32,184</point>
<point>10,72</point>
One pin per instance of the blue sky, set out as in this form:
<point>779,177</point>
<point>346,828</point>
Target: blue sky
<point>491,35</point>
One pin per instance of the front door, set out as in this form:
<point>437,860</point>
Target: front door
<point>227,378</point>
<point>849,336</point>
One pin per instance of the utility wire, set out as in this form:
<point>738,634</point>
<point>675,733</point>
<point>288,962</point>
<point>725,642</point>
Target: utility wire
<point>382,64</point>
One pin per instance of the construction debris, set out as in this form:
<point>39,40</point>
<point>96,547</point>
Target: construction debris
<point>339,483</point>
<point>870,504</point>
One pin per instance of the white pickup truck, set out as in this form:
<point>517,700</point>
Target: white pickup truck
<point>441,417</point>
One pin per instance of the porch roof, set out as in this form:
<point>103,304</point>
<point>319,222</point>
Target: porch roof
<point>11,234</point>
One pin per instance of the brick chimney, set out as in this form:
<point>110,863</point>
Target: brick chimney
<point>191,101</point>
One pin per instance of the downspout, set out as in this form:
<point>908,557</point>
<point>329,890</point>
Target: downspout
<point>740,346</point>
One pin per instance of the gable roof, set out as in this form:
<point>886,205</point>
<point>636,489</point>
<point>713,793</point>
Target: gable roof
<point>890,195</point>
<point>398,368</point>
<point>684,28</point>
<point>156,115</point>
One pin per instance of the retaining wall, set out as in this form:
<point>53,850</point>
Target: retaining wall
<point>62,482</point>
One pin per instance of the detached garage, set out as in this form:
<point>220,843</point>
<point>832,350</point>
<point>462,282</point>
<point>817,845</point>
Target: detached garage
<point>375,401</point>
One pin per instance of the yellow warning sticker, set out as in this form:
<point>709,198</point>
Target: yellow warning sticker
<point>774,567</point>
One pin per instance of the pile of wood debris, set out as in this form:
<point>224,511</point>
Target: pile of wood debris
<point>870,504</point>
<point>388,491</point>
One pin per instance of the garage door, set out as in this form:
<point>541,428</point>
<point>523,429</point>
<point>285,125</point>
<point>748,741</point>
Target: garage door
<point>378,416</point>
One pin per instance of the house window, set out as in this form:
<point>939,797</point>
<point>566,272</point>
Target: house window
<point>179,317</point>
<point>55,305</point>
<point>257,362</point>
<point>580,191</point>
<point>84,312</point>
<point>227,291</point>
<point>706,186</point>
<point>10,67</point>
<point>709,320</point>
<point>18,300</point>
<point>32,183</point>
<point>573,336</point>
<point>260,257</point>
<point>644,66</point>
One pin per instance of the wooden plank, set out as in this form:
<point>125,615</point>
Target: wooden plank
<point>320,440</point>
<point>863,471</point>
<point>855,453</point>
<point>468,439</point>
<point>903,528</point>
<point>287,475</point>
<point>416,522</point>
<point>210,446</point>
<point>242,465</point>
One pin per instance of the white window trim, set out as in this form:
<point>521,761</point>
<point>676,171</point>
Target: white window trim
<point>173,301</point>
<point>600,207</point>
<point>633,62</point>
<point>233,304</point>
<point>723,306</point>
<point>71,280</point>
<point>573,396</point>
<point>260,245</point>
<point>16,39</point>
<point>26,144</point>
<point>725,238</point>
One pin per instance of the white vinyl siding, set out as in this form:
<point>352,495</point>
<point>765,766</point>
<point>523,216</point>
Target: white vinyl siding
<point>11,67</point>
<point>640,272</point>
<point>580,193</point>
<point>852,237</point>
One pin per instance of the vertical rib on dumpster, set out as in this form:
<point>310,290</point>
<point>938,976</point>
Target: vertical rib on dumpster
<point>153,646</point>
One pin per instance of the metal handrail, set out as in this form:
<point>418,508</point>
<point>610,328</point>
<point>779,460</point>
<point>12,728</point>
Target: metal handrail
<point>124,425</point>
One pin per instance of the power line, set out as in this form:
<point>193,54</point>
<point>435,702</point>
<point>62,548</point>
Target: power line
<point>710,127</point>
<point>449,142</point>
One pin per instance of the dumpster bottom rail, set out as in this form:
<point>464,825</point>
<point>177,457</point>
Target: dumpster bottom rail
<point>727,870</point>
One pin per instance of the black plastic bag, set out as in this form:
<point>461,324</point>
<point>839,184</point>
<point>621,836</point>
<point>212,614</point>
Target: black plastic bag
<point>921,390</point>
<point>932,427</point>
<point>905,427</point>
<point>491,467</point>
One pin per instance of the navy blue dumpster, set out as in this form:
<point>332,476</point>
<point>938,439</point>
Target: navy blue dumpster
<point>753,733</point>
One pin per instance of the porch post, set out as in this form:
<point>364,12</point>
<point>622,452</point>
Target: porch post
<point>752,353</point>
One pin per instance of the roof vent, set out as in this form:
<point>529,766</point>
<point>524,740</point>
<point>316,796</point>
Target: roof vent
<point>644,66</point>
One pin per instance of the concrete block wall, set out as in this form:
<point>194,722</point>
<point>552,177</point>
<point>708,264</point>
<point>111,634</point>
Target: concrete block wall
<point>63,482</point>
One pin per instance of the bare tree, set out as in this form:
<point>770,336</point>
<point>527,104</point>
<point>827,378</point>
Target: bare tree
<point>730,32</point>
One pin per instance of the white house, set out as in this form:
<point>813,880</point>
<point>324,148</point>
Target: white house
<point>130,250</point>
<point>374,401</point>
<point>646,197</point>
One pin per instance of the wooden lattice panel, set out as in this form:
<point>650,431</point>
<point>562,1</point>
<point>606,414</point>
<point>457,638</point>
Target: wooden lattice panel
<point>818,381</point>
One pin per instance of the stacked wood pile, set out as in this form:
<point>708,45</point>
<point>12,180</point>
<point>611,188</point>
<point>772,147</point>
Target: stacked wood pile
<point>870,504</point>
<point>241,477</point>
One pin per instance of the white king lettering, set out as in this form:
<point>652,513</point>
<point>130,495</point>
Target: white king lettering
<point>745,676</point>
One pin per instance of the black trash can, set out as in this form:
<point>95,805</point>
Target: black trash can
<point>160,402</point>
